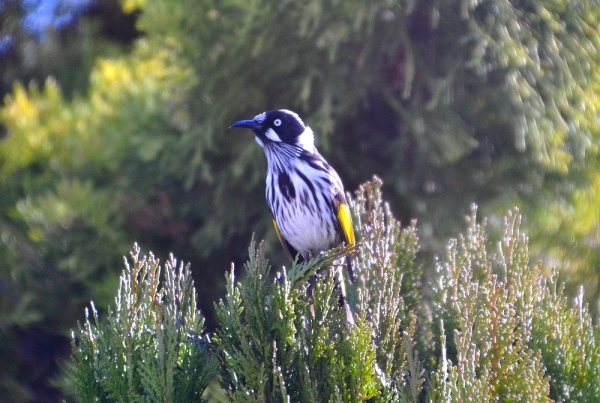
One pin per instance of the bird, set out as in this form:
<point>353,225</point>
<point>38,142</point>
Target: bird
<point>304,193</point>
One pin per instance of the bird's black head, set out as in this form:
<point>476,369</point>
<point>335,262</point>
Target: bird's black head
<point>279,126</point>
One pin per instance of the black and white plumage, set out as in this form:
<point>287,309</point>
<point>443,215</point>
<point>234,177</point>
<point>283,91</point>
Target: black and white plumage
<point>304,193</point>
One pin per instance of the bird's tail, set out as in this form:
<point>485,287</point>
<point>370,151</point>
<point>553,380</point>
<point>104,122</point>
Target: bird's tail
<point>343,300</point>
<point>350,266</point>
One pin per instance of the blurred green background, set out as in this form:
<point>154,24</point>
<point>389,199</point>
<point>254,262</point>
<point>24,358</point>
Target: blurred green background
<point>113,129</point>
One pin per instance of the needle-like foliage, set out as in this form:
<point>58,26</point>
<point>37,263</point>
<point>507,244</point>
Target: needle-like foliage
<point>279,346</point>
<point>150,348</point>
<point>490,327</point>
<point>507,332</point>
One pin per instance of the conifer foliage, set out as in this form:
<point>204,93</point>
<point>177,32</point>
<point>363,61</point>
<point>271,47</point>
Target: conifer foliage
<point>491,327</point>
<point>507,332</point>
<point>151,349</point>
<point>279,347</point>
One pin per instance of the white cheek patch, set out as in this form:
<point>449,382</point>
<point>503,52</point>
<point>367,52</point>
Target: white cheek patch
<point>271,135</point>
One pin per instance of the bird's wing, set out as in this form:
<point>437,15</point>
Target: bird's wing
<point>289,250</point>
<point>345,220</point>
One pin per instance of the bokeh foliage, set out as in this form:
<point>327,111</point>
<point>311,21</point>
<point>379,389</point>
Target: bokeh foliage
<point>449,102</point>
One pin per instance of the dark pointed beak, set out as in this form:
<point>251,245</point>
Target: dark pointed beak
<point>250,124</point>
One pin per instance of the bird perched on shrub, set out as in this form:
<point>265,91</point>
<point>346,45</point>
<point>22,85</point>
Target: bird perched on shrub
<point>304,193</point>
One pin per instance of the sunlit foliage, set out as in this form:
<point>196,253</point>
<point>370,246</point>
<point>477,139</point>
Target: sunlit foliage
<point>151,348</point>
<point>493,329</point>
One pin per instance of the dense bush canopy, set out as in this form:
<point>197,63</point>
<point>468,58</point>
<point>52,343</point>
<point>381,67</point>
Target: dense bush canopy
<point>493,329</point>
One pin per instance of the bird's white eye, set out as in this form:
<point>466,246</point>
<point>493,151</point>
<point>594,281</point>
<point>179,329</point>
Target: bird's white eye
<point>277,122</point>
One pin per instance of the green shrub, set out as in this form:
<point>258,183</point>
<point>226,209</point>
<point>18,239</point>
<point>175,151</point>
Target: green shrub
<point>151,348</point>
<point>490,327</point>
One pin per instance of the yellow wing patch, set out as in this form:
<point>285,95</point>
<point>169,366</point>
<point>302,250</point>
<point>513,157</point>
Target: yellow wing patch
<point>345,219</point>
